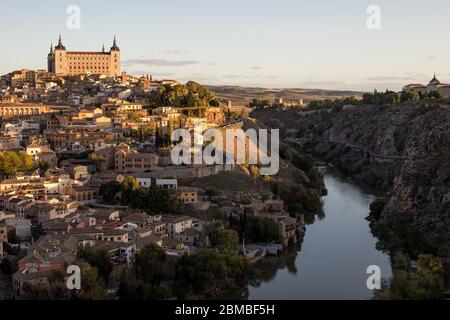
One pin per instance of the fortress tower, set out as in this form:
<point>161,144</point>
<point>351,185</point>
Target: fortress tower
<point>72,63</point>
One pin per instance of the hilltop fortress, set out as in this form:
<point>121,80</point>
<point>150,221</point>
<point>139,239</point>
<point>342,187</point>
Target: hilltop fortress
<point>73,63</point>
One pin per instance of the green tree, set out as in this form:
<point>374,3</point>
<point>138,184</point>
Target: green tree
<point>6,267</point>
<point>149,264</point>
<point>97,161</point>
<point>258,103</point>
<point>209,274</point>
<point>132,116</point>
<point>156,200</point>
<point>390,97</point>
<point>99,259</point>
<point>376,209</point>
<point>139,290</point>
<point>153,200</point>
<point>435,95</point>
<point>401,261</point>
<point>129,186</point>
<point>432,270</point>
<point>409,96</point>
<point>12,237</point>
<point>91,288</point>
<point>211,192</point>
<point>227,240</point>
<point>160,140</point>
<point>11,162</point>
<point>428,283</point>
<point>415,96</point>
<point>190,94</point>
<point>261,229</point>
<point>368,98</point>
<point>43,165</point>
<point>109,190</point>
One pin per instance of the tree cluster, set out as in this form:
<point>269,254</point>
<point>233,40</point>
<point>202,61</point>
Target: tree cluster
<point>259,103</point>
<point>209,274</point>
<point>11,162</point>
<point>332,104</point>
<point>190,94</point>
<point>426,280</point>
<point>98,259</point>
<point>152,200</point>
<point>147,282</point>
<point>381,98</point>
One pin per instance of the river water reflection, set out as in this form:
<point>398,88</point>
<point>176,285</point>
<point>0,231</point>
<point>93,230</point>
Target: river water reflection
<point>334,255</point>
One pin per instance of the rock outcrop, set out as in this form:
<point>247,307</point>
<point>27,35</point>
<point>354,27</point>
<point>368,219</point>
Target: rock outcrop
<point>403,150</point>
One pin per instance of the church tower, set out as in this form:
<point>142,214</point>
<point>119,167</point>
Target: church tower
<point>115,59</point>
<point>57,58</point>
<point>51,60</point>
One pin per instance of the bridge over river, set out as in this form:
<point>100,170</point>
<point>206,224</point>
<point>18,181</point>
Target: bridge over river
<point>368,152</point>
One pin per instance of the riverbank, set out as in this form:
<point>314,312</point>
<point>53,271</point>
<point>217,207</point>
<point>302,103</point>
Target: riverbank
<point>332,260</point>
<point>413,223</point>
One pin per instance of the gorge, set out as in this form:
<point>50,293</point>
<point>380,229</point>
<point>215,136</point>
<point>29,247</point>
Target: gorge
<point>411,141</point>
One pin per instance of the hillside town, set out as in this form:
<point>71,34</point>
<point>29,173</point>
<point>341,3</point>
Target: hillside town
<point>85,165</point>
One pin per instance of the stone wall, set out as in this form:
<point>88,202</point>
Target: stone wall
<point>190,172</point>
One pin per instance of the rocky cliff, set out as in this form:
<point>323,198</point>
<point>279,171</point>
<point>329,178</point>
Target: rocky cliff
<point>403,150</point>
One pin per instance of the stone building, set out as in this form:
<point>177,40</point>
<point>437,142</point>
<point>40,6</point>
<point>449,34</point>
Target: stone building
<point>75,63</point>
<point>23,109</point>
<point>88,139</point>
<point>433,86</point>
<point>124,159</point>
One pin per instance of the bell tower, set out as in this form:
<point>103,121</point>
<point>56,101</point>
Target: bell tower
<point>114,69</point>
<point>60,58</point>
<point>51,60</point>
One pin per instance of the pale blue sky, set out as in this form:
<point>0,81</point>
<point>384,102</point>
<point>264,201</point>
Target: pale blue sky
<point>283,43</point>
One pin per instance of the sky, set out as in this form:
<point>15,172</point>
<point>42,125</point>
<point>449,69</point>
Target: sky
<point>265,43</point>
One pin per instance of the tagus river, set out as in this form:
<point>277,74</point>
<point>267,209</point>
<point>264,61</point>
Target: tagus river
<point>334,256</point>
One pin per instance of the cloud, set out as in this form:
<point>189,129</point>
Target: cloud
<point>254,76</point>
<point>159,62</point>
<point>201,78</point>
<point>406,77</point>
<point>388,78</point>
<point>172,52</point>
<point>255,68</point>
<point>221,78</point>
<point>163,74</point>
<point>232,76</point>
<point>323,83</point>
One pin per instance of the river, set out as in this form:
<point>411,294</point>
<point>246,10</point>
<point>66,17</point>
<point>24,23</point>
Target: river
<point>334,256</point>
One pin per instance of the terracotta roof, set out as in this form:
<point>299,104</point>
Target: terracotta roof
<point>114,232</point>
<point>151,239</point>
<point>191,232</point>
<point>27,276</point>
<point>137,217</point>
<point>175,219</point>
<point>87,230</point>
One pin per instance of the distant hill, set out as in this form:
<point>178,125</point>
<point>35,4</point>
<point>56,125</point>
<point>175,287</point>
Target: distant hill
<point>241,96</point>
